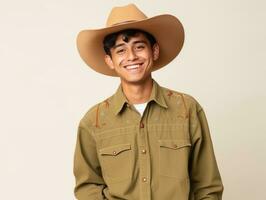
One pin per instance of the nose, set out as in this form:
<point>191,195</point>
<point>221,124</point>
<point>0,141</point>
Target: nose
<point>131,55</point>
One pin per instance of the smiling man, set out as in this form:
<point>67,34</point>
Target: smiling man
<point>145,141</point>
<point>131,56</point>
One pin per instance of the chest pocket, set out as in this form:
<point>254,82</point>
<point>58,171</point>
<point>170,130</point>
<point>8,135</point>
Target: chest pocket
<point>173,158</point>
<point>116,162</point>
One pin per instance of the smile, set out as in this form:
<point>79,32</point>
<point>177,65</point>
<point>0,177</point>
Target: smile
<point>133,66</point>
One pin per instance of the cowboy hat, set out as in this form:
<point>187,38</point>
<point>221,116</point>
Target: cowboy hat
<point>167,30</point>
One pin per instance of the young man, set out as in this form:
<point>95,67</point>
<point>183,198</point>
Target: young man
<point>145,141</point>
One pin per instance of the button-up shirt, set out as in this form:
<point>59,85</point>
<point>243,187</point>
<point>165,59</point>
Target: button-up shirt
<point>165,154</point>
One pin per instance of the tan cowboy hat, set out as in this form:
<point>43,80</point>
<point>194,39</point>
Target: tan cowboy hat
<point>167,30</point>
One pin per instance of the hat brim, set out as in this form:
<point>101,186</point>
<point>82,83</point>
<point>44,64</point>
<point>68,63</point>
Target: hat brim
<point>167,30</point>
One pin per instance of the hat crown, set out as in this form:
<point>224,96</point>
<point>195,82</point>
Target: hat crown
<point>124,14</point>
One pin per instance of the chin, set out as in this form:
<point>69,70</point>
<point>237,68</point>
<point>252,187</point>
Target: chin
<point>135,80</point>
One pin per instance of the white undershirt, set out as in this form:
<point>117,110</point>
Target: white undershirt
<point>140,107</point>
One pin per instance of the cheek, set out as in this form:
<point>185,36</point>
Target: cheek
<point>118,60</point>
<point>116,63</point>
<point>146,55</point>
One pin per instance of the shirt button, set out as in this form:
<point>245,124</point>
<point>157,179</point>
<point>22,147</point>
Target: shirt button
<point>175,146</point>
<point>114,152</point>
<point>141,125</point>
<point>144,179</point>
<point>128,105</point>
<point>143,151</point>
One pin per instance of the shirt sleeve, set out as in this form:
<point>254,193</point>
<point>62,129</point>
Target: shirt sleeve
<point>87,171</point>
<point>206,182</point>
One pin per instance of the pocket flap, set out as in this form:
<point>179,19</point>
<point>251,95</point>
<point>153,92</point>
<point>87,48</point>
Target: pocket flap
<point>174,144</point>
<point>115,150</point>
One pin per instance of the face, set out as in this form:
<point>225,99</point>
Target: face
<point>133,60</point>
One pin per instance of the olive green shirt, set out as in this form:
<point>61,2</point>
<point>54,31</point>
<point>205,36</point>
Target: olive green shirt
<point>165,154</point>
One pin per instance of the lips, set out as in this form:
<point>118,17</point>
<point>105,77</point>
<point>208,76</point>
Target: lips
<point>133,66</point>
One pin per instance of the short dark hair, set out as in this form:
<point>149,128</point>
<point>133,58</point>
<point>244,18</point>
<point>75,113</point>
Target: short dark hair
<point>109,40</point>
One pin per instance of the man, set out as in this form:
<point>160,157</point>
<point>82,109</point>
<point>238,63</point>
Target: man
<point>145,141</point>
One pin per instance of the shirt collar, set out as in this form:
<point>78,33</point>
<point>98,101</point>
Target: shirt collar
<point>156,96</point>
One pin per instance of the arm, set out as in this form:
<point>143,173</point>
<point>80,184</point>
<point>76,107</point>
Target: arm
<point>206,183</point>
<point>87,171</point>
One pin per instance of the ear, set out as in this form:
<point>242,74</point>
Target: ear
<point>155,51</point>
<point>109,62</point>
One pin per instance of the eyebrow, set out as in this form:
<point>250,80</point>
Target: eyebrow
<point>135,42</point>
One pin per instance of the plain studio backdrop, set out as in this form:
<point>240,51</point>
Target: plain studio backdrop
<point>46,88</point>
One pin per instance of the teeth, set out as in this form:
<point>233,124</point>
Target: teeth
<point>132,66</point>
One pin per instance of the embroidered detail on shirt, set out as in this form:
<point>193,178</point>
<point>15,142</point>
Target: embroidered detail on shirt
<point>171,93</point>
<point>106,103</point>
<point>184,105</point>
<point>97,116</point>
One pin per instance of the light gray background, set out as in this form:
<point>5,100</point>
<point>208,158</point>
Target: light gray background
<point>46,88</point>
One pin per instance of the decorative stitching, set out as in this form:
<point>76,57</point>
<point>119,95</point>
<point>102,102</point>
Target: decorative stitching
<point>97,116</point>
<point>184,104</point>
<point>106,103</point>
<point>170,93</point>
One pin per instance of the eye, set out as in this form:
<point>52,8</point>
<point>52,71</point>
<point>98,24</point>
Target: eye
<point>140,47</point>
<point>120,51</point>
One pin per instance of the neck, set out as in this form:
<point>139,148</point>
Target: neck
<point>137,93</point>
